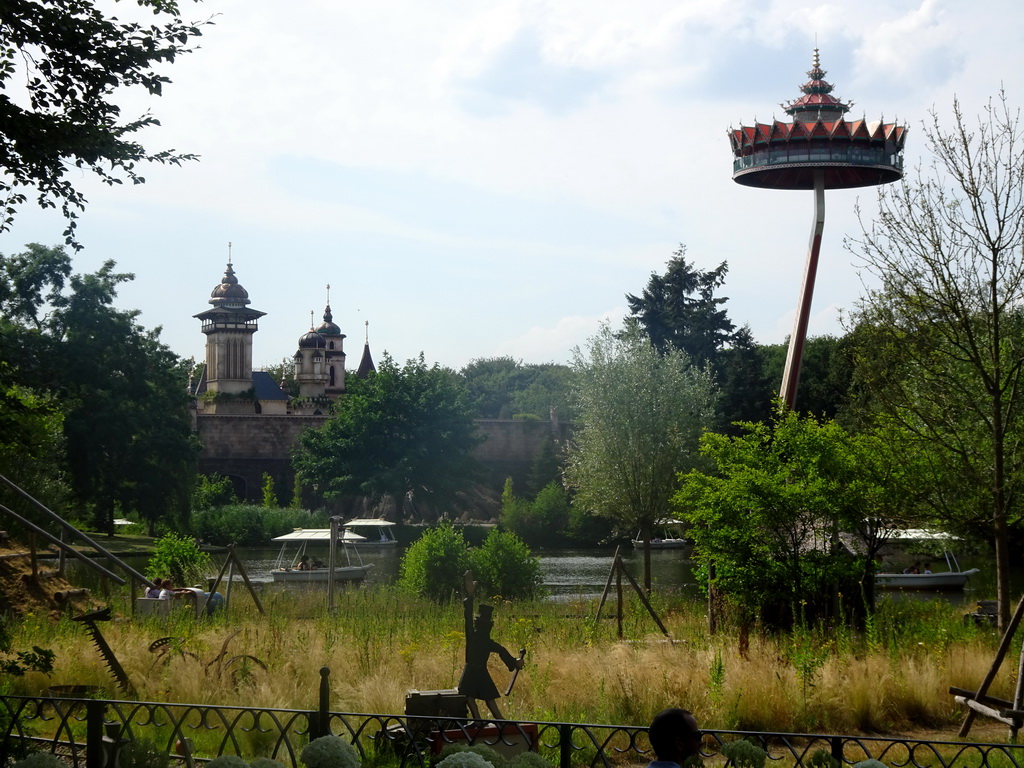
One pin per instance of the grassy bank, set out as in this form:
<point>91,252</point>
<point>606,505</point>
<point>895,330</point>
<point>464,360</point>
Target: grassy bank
<point>379,644</point>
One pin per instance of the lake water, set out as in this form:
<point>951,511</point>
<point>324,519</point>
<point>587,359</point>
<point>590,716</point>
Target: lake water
<point>573,573</point>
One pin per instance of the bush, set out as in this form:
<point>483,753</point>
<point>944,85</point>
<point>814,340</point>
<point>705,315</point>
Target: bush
<point>543,521</point>
<point>330,752</point>
<point>228,761</point>
<point>178,558</point>
<point>434,564</point>
<point>464,760</point>
<point>250,525</point>
<point>212,491</point>
<point>505,566</point>
<point>744,754</point>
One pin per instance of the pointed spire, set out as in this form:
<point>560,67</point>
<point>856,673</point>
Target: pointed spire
<point>817,101</point>
<point>366,366</point>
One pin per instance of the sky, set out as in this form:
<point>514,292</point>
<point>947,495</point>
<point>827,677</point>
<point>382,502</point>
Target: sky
<point>478,178</point>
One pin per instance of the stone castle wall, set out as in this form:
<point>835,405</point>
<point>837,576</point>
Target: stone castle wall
<point>245,447</point>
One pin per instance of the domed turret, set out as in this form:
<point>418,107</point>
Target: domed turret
<point>229,292</point>
<point>312,340</point>
<point>328,327</point>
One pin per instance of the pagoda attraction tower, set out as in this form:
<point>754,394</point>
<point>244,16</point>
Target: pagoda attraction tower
<point>820,149</point>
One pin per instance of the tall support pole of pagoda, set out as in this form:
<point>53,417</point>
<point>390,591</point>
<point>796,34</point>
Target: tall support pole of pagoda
<point>798,339</point>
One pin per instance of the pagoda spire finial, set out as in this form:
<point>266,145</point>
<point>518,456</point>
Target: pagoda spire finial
<point>229,252</point>
<point>366,339</point>
<point>311,319</point>
<point>328,294</point>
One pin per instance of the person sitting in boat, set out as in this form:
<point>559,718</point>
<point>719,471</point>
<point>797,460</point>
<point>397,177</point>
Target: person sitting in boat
<point>304,563</point>
<point>317,563</point>
<point>154,591</point>
<point>927,568</point>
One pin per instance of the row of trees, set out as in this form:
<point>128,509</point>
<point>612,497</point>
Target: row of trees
<point>93,407</point>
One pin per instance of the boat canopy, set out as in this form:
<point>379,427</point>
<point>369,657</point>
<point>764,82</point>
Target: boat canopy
<point>318,534</point>
<point>368,521</point>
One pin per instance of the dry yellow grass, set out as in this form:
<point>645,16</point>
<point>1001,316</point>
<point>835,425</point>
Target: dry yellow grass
<point>379,645</point>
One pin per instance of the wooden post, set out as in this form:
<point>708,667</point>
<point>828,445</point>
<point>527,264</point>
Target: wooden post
<point>617,565</point>
<point>1004,646</point>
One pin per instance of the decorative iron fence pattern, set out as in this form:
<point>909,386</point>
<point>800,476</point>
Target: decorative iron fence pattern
<point>89,733</point>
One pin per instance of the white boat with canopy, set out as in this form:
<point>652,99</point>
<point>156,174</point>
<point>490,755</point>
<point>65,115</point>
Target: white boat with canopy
<point>295,563</point>
<point>920,575</point>
<point>371,532</point>
<point>665,535</point>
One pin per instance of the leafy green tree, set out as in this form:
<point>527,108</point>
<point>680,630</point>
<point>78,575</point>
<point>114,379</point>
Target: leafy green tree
<point>62,65</point>
<point>505,388</point>
<point>766,521</point>
<point>763,522</point>
<point>641,416</point>
<point>826,375</point>
<point>130,444</point>
<point>544,521</point>
<point>212,491</point>
<point>269,496</point>
<point>941,342</point>
<point>403,432</point>
<point>125,435</point>
<point>680,310</point>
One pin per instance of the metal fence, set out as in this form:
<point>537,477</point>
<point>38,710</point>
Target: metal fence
<point>91,732</point>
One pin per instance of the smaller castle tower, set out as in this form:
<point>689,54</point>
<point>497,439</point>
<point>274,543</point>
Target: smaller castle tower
<point>309,364</point>
<point>334,351</point>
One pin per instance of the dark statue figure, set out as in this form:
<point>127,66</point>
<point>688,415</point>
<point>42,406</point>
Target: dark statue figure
<point>476,682</point>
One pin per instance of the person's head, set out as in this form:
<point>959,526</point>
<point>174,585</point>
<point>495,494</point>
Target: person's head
<point>168,584</point>
<point>674,735</point>
<point>485,619</point>
<point>158,583</point>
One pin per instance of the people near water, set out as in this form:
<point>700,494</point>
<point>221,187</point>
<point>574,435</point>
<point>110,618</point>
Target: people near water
<point>915,568</point>
<point>927,568</point>
<point>168,592</point>
<point>154,591</point>
<point>475,682</point>
<point>304,563</point>
<point>674,737</point>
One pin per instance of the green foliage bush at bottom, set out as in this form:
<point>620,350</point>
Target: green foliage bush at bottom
<point>434,564</point>
<point>142,753</point>
<point>505,566</point>
<point>178,558</point>
<point>251,525</point>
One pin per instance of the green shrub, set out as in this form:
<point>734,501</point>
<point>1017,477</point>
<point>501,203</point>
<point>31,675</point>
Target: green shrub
<point>142,753</point>
<point>212,491</point>
<point>434,564</point>
<point>528,760</point>
<point>821,758</point>
<point>505,566</point>
<point>178,558</point>
<point>744,754</point>
<point>250,525</point>
<point>330,752</point>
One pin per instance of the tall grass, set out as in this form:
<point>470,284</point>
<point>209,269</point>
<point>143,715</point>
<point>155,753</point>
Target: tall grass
<point>380,643</point>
